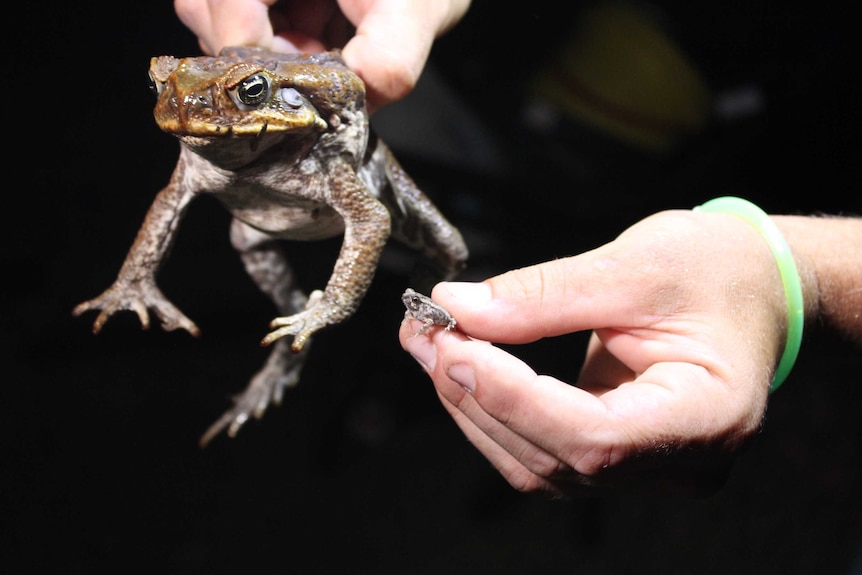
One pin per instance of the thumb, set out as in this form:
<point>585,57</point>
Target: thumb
<point>545,300</point>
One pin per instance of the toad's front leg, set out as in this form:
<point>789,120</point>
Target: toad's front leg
<point>366,230</point>
<point>135,288</point>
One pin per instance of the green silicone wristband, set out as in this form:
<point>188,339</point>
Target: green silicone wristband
<point>786,267</point>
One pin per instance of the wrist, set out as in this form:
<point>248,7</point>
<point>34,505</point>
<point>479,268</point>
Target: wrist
<point>830,269</point>
<point>787,268</point>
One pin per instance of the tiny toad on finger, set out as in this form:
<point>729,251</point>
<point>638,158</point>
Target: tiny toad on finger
<point>424,309</point>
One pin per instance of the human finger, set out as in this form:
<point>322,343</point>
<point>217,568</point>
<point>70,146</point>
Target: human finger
<point>220,23</point>
<point>516,473</point>
<point>669,406</point>
<point>309,26</point>
<point>600,288</point>
<point>503,397</point>
<point>522,463</point>
<point>392,42</point>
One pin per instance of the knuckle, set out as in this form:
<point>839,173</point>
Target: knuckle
<point>593,462</point>
<point>525,481</point>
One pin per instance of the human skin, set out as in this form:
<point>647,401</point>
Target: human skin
<point>386,42</point>
<point>688,321</point>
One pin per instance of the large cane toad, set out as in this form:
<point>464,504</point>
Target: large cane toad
<point>283,140</point>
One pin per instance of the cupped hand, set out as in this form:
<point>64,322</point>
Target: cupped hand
<point>688,318</point>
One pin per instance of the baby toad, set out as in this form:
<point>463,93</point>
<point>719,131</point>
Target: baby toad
<point>424,309</point>
<point>283,141</point>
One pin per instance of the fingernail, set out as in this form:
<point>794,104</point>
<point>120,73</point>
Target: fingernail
<point>470,293</point>
<point>463,375</point>
<point>423,351</point>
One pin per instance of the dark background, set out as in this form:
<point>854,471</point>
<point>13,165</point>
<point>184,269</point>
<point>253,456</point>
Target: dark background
<point>361,471</point>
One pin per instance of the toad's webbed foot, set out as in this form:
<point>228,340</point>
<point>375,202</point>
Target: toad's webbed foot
<point>267,387</point>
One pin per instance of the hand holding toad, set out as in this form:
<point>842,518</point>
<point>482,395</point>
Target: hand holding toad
<point>688,320</point>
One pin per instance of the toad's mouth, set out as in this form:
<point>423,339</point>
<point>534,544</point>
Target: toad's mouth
<point>209,127</point>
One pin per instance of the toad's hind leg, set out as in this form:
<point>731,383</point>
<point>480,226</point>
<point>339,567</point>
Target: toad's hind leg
<point>418,223</point>
<point>267,265</point>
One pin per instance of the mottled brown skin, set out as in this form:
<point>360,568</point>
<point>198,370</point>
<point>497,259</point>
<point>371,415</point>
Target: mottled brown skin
<point>423,308</point>
<point>283,140</point>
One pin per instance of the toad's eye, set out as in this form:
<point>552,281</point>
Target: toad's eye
<point>254,90</point>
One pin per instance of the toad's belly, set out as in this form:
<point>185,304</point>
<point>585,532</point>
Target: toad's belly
<point>313,222</point>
